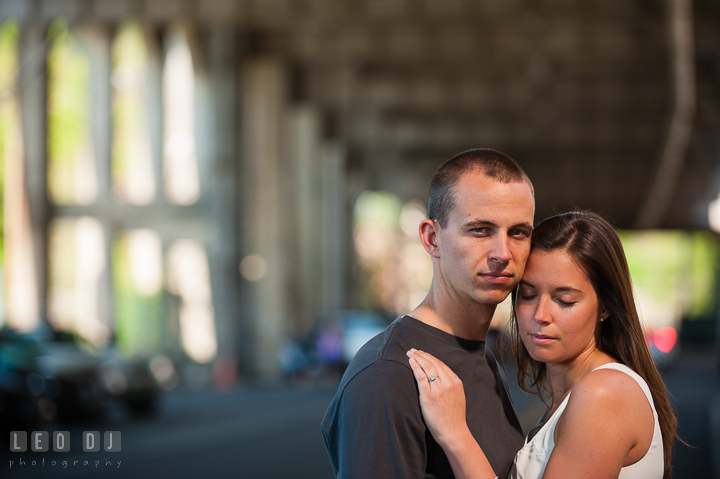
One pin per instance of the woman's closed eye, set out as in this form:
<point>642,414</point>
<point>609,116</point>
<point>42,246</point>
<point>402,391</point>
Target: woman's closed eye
<point>527,295</point>
<point>566,304</point>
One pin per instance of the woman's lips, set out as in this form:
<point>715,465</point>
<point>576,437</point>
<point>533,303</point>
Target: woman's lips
<point>542,338</point>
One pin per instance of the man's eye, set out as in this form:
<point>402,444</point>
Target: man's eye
<point>519,233</point>
<point>481,230</point>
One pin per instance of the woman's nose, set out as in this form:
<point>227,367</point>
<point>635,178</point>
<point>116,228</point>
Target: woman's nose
<point>542,311</point>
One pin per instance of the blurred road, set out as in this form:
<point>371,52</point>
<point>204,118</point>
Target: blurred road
<point>264,432</point>
<point>274,433</point>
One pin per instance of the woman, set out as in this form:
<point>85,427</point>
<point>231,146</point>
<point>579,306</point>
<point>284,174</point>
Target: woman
<point>575,329</point>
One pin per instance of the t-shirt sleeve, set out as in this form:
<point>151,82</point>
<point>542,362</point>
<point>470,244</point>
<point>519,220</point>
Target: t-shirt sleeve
<point>377,430</point>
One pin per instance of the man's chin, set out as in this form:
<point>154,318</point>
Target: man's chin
<point>493,297</point>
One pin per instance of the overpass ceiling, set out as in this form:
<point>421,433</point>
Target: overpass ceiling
<point>582,100</point>
<point>579,93</point>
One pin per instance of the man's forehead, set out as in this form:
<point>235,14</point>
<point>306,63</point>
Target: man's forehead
<point>479,188</point>
<point>480,198</point>
<point>478,176</point>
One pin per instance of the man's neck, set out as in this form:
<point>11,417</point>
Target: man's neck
<point>470,321</point>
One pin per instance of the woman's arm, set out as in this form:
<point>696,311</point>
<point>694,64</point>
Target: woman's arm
<point>443,406</point>
<point>608,423</point>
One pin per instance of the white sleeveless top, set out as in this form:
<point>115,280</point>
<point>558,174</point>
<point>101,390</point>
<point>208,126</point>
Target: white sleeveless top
<point>531,460</point>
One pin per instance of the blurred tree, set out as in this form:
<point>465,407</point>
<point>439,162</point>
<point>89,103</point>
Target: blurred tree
<point>8,110</point>
<point>71,178</point>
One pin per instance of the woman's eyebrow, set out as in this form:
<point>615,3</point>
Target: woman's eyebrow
<point>563,289</point>
<point>560,289</point>
<point>527,283</point>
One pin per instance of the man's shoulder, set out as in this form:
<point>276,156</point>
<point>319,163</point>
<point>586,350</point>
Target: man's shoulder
<point>380,368</point>
<point>389,346</point>
<point>374,425</point>
<point>383,381</point>
<point>378,380</point>
<point>380,356</point>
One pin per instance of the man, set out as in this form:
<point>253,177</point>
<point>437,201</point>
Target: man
<point>480,215</point>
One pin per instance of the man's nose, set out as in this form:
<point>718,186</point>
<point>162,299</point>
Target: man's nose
<point>501,250</point>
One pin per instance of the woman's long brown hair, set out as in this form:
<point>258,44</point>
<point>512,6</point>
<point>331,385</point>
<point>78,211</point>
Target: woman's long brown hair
<point>594,244</point>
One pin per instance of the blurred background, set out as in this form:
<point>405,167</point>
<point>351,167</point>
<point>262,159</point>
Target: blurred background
<point>208,206</point>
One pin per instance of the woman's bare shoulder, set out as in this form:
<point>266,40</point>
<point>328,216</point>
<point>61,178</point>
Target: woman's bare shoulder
<point>608,399</point>
<point>608,385</point>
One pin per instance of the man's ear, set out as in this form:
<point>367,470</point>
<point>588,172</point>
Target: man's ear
<point>429,236</point>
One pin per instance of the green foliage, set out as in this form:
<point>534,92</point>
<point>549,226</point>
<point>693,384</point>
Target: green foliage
<point>376,224</point>
<point>675,265</point>
<point>9,32</point>
<point>378,209</point>
<point>139,319</point>
<point>68,110</point>
<point>705,258</point>
<point>129,59</point>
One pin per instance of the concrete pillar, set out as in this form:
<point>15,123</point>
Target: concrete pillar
<point>265,224</point>
<point>222,190</point>
<point>154,106</point>
<point>98,40</point>
<point>335,226</point>
<point>33,112</point>
<point>303,151</point>
<point>203,49</point>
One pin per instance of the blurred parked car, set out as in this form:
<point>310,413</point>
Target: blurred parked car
<point>19,377</point>
<point>329,348</point>
<point>342,333</point>
<point>359,327</point>
<point>47,375</point>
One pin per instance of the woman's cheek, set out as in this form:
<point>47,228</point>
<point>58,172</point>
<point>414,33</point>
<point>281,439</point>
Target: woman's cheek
<point>524,313</point>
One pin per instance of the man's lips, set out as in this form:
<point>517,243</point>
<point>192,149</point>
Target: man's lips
<point>500,278</point>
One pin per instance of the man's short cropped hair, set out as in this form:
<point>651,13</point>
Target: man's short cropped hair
<point>491,163</point>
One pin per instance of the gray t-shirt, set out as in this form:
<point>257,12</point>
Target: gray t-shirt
<point>374,426</point>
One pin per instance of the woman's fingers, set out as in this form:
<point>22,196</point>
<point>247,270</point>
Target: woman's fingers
<point>420,376</point>
<point>442,398</point>
<point>427,363</point>
<point>432,366</point>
